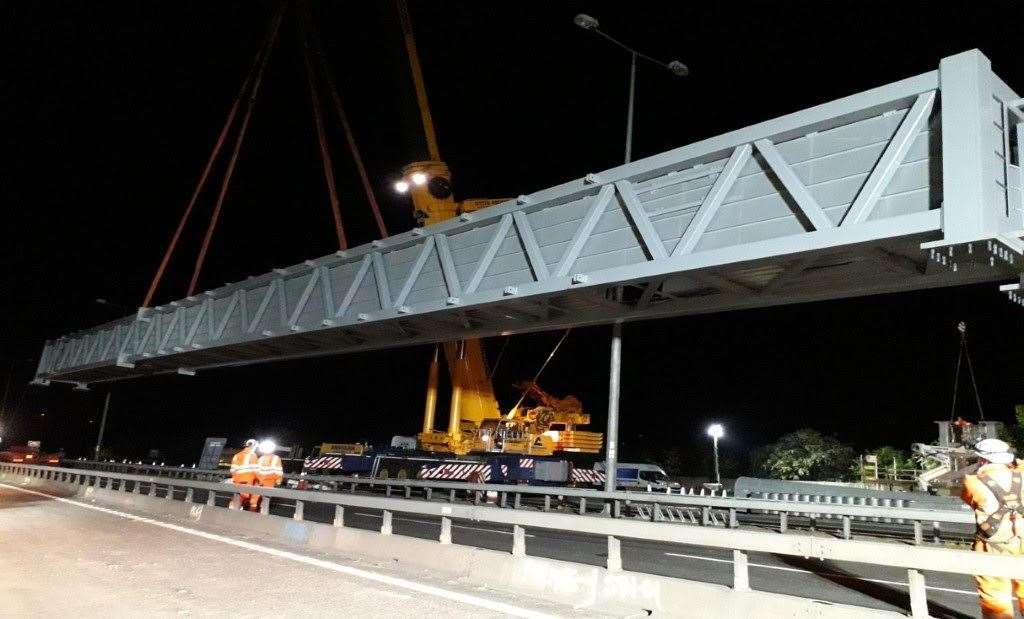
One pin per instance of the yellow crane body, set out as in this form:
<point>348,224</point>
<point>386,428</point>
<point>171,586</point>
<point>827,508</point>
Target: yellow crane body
<point>475,421</point>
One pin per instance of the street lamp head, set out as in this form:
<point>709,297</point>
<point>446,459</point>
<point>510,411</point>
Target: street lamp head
<point>586,22</point>
<point>716,431</point>
<point>678,68</point>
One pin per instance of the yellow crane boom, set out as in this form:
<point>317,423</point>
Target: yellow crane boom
<point>475,422</point>
<point>472,399</point>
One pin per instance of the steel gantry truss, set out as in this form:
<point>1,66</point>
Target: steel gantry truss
<point>911,185</point>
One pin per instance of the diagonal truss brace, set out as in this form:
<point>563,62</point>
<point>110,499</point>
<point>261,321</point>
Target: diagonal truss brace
<point>421,259</point>
<point>709,207</point>
<point>803,198</point>
<point>530,245</point>
<point>501,231</point>
<point>890,160</point>
<point>649,238</point>
<point>597,208</point>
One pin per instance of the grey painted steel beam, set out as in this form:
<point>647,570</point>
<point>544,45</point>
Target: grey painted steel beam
<point>893,156</point>
<point>803,198</point>
<point>879,161</point>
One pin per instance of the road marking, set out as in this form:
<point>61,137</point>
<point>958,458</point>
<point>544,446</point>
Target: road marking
<point>394,581</point>
<point>783,568</point>
<point>457,526</point>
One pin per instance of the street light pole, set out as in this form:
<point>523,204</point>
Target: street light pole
<point>629,113</point>
<point>677,68</point>
<point>103,425</point>
<point>718,475</point>
<point>106,399</point>
<point>611,439</point>
<point>716,431</point>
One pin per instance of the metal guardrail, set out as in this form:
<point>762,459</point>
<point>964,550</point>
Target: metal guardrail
<point>740,542</point>
<point>654,506</point>
<point>141,468</point>
<point>691,509</point>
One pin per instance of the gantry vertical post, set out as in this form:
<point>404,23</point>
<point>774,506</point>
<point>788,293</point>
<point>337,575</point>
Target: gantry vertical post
<point>611,436</point>
<point>971,206</point>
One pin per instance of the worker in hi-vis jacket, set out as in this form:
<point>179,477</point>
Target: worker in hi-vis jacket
<point>244,466</point>
<point>995,494</point>
<point>270,473</point>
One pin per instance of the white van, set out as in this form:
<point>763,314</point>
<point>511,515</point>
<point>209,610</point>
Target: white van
<point>637,476</point>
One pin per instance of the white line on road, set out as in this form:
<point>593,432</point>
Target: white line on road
<point>394,581</point>
<point>456,526</point>
<point>783,568</point>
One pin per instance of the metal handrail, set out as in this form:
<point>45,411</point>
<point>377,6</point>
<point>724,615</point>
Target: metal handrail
<point>741,542</point>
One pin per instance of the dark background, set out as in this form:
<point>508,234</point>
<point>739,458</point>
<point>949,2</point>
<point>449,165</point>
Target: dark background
<point>109,111</point>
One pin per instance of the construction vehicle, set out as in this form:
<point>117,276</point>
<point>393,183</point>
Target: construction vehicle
<point>476,424</point>
<point>475,421</point>
<point>952,456</point>
<point>396,462</point>
<point>518,448</point>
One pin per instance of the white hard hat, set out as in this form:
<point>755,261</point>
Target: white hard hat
<point>994,450</point>
<point>267,446</point>
<point>250,443</point>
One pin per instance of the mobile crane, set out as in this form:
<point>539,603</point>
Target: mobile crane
<point>476,424</point>
<point>480,443</point>
<point>475,421</point>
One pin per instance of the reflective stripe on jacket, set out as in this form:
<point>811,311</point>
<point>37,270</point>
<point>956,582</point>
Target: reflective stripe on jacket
<point>245,463</point>
<point>270,466</point>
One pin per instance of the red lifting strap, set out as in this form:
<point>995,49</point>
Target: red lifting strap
<point>234,155</point>
<point>256,62</point>
<point>321,134</point>
<point>339,109</point>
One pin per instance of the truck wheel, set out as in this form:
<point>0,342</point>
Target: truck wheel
<point>402,474</point>
<point>383,473</point>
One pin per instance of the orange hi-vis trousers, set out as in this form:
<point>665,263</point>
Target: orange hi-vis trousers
<point>996,594</point>
<point>244,468</point>
<point>266,482</point>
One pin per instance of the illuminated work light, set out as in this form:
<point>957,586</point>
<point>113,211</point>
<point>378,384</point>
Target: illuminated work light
<point>401,186</point>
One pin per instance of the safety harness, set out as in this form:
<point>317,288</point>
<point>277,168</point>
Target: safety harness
<point>1009,502</point>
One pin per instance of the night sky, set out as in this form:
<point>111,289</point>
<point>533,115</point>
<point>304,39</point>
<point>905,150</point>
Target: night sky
<point>109,111</point>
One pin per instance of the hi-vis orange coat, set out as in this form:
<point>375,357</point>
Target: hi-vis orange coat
<point>269,473</point>
<point>244,467</point>
<point>996,495</point>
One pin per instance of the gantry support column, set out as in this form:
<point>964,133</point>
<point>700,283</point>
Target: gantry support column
<point>971,205</point>
<point>611,436</point>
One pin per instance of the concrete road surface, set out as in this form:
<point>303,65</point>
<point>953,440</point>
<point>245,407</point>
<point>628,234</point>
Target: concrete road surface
<point>58,558</point>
